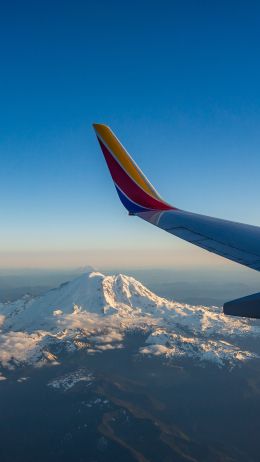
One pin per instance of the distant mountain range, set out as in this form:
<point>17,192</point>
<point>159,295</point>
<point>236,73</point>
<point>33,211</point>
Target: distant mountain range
<point>95,312</point>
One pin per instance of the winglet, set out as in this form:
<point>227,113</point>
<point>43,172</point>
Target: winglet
<point>134,190</point>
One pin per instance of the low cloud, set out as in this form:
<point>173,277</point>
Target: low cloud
<point>112,336</point>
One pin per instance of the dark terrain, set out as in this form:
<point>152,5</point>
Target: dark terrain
<point>134,410</point>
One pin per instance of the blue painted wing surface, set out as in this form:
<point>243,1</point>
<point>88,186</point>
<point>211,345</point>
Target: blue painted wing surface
<point>236,241</point>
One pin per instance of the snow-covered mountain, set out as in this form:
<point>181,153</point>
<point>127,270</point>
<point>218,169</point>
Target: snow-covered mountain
<point>95,312</point>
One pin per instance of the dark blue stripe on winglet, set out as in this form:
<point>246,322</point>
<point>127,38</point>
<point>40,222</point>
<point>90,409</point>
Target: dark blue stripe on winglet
<point>129,205</point>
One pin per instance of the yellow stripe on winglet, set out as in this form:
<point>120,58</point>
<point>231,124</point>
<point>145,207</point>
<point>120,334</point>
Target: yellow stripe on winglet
<point>125,160</point>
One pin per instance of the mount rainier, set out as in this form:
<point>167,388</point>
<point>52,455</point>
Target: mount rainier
<point>96,312</point>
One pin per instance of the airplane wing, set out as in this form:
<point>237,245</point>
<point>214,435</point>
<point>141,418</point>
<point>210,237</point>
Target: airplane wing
<point>235,241</point>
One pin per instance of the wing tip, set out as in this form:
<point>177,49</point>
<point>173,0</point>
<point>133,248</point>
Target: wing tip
<point>98,127</point>
<point>134,189</point>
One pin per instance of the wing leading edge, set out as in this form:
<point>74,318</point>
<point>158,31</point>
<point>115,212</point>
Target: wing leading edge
<point>235,241</point>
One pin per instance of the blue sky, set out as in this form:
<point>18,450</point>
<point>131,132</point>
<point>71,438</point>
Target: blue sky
<point>179,84</point>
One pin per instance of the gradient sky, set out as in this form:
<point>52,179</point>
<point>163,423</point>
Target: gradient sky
<point>178,82</point>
